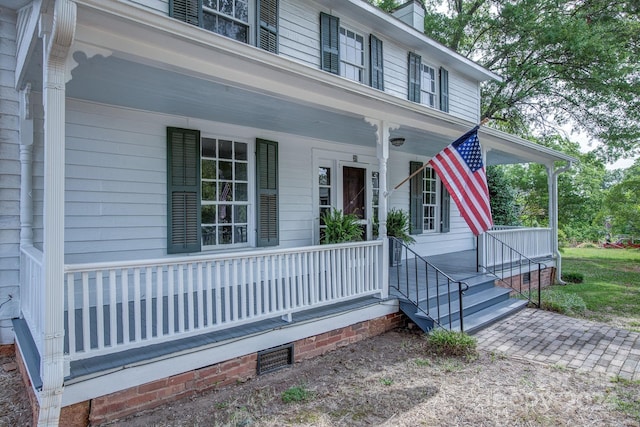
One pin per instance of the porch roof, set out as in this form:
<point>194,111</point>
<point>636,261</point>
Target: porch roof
<point>128,57</point>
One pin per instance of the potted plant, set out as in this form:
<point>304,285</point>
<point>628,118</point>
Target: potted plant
<point>340,228</point>
<point>398,227</point>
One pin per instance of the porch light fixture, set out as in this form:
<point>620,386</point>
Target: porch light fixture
<point>397,142</point>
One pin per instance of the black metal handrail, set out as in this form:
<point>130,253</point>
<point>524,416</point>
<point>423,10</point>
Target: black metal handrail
<point>507,258</point>
<point>431,274</point>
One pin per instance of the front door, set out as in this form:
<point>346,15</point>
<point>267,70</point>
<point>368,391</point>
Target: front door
<point>354,194</point>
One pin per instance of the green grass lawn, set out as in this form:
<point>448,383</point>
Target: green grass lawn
<point>611,286</point>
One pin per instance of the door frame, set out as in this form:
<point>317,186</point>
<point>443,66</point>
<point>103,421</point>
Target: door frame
<point>336,160</point>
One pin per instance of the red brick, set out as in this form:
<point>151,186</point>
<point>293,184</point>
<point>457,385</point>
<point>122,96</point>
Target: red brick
<point>75,415</point>
<point>182,378</point>
<point>152,386</point>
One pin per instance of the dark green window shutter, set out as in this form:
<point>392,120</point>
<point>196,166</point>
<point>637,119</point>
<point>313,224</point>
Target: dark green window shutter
<point>183,190</point>
<point>267,192</point>
<point>267,38</point>
<point>415,61</point>
<point>444,90</point>
<point>376,67</point>
<point>329,43</point>
<point>189,11</point>
<point>415,198</point>
<point>445,209</point>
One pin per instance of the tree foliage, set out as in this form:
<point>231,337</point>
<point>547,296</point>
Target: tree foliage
<point>622,205</point>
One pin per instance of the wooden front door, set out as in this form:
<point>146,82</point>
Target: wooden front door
<point>354,192</point>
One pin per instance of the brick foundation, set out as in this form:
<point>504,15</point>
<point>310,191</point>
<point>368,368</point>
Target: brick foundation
<point>547,277</point>
<point>126,402</point>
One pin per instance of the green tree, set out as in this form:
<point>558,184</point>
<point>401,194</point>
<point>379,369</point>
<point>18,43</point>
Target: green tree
<point>502,197</point>
<point>581,192</point>
<point>623,203</point>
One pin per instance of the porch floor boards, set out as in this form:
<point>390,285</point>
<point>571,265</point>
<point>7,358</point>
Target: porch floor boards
<point>86,367</point>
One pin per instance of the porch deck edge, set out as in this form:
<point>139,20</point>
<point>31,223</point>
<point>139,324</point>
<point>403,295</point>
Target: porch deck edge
<point>103,375</point>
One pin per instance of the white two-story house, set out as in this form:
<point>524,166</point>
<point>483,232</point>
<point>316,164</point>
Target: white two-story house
<point>165,165</point>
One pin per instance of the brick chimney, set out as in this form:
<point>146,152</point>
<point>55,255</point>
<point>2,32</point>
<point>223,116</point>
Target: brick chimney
<point>412,13</point>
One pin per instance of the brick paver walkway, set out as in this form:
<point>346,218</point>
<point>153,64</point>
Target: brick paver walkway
<point>556,339</point>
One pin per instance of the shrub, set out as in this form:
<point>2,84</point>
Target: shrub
<point>573,277</point>
<point>560,302</point>
<point>296,394</point>
<point>341,228</point>
<point>451,343</point>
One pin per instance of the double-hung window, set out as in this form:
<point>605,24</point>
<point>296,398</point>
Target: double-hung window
<point>429,199</point>
<point>429,202</point>
<point>351,55</point>
<point>209,192</point>
<point>427,86</point>
<point>343,52</point>
<point>227,17</point>
<point>428,93</point>
<point>225,192</point>
<point>233,18</point>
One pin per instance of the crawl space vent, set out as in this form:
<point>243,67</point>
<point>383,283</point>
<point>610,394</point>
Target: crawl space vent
<point>275,358</point>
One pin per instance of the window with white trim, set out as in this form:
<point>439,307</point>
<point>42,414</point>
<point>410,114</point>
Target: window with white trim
<point>351,55</point>
<point>324,196</point>
<point>225,192</point>
<point>428,92</point>
<point>227,17</point>
<point>429,199</point>
<point>248,21</point>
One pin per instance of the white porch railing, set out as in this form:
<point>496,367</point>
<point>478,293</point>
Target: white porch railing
<point>115,306</point>
<point>32,291</point>
<point>530,242</point>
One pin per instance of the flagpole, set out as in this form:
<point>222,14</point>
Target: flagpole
<point>421,168</point>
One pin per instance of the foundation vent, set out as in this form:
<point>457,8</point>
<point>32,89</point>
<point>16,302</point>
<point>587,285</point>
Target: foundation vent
<point>275,358</point>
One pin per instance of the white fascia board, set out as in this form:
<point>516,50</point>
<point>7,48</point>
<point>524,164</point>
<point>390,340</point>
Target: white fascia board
<point>395,29</point>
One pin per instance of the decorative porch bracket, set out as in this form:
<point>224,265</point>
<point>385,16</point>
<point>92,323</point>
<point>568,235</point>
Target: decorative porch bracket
<point>57,43</point>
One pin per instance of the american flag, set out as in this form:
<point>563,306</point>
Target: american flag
<point>460,168</point>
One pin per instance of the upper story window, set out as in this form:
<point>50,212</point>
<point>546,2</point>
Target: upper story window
<point>428,94</point>
<point>426,85</point>
<point>343,52</point>
<point>351,55</point>
<point>227,17</point>
<point>248,21</point>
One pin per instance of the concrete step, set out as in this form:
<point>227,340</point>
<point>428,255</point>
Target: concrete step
<point>487,316</point>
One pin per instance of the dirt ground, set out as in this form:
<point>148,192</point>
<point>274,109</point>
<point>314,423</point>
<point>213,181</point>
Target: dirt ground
<point>14,403</point>
<point>389,380</point>
<point>393,380</point>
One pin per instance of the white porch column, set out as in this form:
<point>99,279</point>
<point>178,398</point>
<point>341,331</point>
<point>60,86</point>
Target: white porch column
<point>56,48</point>
<point>26,169</point>
<point>382,152</point>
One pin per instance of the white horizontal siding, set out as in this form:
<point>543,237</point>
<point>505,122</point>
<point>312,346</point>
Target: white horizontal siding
<point>395,69</point>
<point>115,199</point>
<point>9,155</point>
<point>464,97</point>
<point>299,32</point>
<point>158,5</point>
